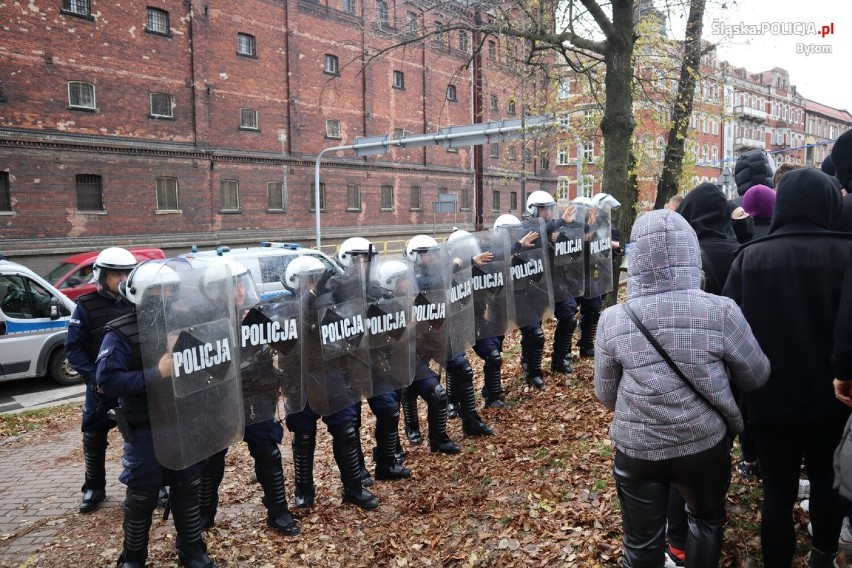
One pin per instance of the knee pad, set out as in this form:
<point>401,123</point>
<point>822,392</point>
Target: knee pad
<point>535,337</point>
<point>493,359</point>
<point>437,396</point>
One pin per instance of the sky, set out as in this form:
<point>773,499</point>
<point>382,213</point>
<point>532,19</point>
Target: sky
<point>762,34</point>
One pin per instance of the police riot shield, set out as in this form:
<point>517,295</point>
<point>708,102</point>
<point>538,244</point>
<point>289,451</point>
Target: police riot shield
<point>346,377</point>
<point>461,253</point>
<point>529,267</point>
<point>429,308</point>
<point>566,238</point>
<point>271,357</point>
<point>390,331</point>
<point>493,303</point>
<point>196,410</point>
<point>599,269</point>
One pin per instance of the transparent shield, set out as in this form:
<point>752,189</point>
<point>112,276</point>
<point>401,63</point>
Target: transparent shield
<point>493,304</point>
<point>529,267</point>
<point>430,307</point>
<point>566,236</point>
<point>599,270</point>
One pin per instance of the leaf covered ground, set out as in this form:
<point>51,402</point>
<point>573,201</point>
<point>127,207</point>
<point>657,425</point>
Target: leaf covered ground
<point>538,493</point>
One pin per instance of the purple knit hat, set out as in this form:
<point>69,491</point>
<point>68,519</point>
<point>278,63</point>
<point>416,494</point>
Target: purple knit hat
<point>759,202</point>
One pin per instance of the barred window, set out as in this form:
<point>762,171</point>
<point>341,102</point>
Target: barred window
<point>275,196</point>
<point>230,190</point>
<point>332,64</point>
<point>158,21</point>
<point>512,155</point>
<point>5,193</point>
<point>161,105</point>
<point>411,22</point>
<point>494,103</point>
<point>465,199</point>
<point>81,95</point>
<point>387,198</point>
<point>513,200</point>
<point>382,13</point>
<point>248,119</point>
<point>246,45</point>
<point>462,40</point>
<point>353,197</point>
<point>415,197</point>
<point>451,93</point>
<point>332,129</point>
<point>492,50</point>
<point>511,109</point>
<point>89,193</point>
<point>314,197</point>
<point>80,7</point>
<point>167,194</point>
<point>398,80</point>
<point>495,201</point>
<point>349,6</point>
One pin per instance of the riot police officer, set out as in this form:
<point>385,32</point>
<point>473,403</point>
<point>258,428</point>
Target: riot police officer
<point>262,436</point>
<point>121,374</point>
<point>82,343</point>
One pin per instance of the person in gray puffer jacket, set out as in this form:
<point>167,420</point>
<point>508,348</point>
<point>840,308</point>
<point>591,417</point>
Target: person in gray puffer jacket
<point>665,433</point>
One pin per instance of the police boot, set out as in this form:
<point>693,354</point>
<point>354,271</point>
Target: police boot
<point>345,445</point>
<point>192,552</point>
<point>492,390</point>
<point>94,454</point>
<point>437,417</point>
<point>366,480</point>
<point>452,400</point>
<point>409,411</point>
<point>304,444</point>
<point>267,467</point>
<point>561,361</point>
<point>588,330</point>
<point>472,423</point>
<point>532,347</point>
<point>208,492</point>
<point>138,506</point>
<point>163,497</point>
<point>388,464</point>
<point>819,559</point>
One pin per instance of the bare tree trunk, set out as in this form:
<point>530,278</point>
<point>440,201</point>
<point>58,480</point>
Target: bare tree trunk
<point>673,162</point>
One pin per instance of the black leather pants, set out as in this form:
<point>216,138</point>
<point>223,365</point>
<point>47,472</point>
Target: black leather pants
<point>643,489</point>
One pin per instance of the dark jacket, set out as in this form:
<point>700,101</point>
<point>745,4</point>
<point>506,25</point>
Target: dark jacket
<point>788,285</point>
<point>706,210</point>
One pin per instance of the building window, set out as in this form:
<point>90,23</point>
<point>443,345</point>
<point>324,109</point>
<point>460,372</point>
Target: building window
<point>353,197</point>
<point>495,150</point>
<point>451,93</point>
<point>314,197</point>
<point>161,105</point>
<point>158,21</point>
<point>511,109</point>
<point>5,192</point>
<point>167,194</point>
<point>415,197</point>
<point>562,188</point>
<point>332,129</point>
<point>248,119</point>
<point>411,21</point>
<point>495,201</point>
<point>492,50</point>
<point>564,119</point>
<point>387,198</point>
<point>564,90</point>
<point>349,6</point>
<point>587,117</point>
<point>398,80</point>
<point>90,195</point>
<point>462,40</point>
<point>230,195</point>
<point>81,95</point>
<point>275,196</point>
<point>246,45</point>
<point>588,151</point>
<point>439,32</point>
<point>586,186</point>
<point>562,155</point>
<point>513,201</point>
<point>382,13</point>
<point>78,7</point>
<point>512,154</point>
<point>544,161</point>
<point>332,66</point>
<point>465,199</point>
<point>494,103</point>
<point>443,191</point>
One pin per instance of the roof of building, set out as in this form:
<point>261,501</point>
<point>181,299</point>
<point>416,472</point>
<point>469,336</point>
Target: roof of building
<point>841,115</point>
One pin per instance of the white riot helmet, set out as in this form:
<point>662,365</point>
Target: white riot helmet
<point>145,277</point>
<point>506,220</point>
<point>353,246</point>
<point>112,258</point>
<point>601,200</point>
<point>537,200</point>
<point>390,273</point>
<point>582,201</point>
<point>461,243</point>
<point>215,278</point>
<point>300,267</point>
<point>419,244</point>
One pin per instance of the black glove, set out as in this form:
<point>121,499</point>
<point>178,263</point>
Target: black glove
<point>323,281</point>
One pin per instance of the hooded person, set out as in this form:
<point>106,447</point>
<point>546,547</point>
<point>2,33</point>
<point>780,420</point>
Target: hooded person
<point>840,164</point>
<point>788,285</point>
<point>752,168</point>
<point>667,429</point>
<point>759,203</point>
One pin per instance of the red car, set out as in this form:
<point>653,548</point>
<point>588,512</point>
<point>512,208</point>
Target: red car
<point>73,277</point>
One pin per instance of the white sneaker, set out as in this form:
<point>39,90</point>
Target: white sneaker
<point>845,540</point>
<point>804,489</point>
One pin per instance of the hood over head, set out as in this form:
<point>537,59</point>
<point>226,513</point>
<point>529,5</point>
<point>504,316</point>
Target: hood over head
<point>752,168</point>
<point>841,156</point>
<point>807,200</point>
<point>706,210</point>
<point>664,255</point>
<point>759,202</point>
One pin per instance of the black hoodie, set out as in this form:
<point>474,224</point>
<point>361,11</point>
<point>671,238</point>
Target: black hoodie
<point>706,210</point>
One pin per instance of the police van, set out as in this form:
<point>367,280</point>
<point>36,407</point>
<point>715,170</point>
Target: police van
<point>266,263</point>
<point>33,320</point>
